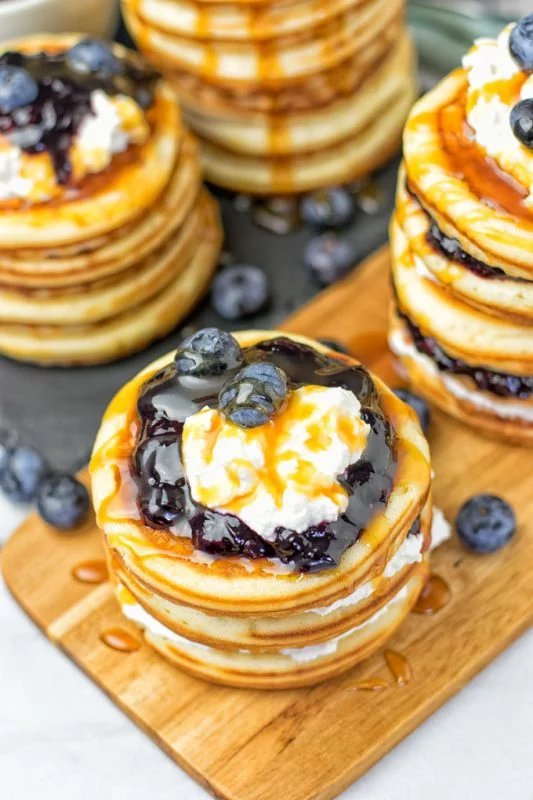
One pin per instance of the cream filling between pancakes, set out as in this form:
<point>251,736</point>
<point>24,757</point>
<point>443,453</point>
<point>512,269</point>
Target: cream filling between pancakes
<point>401,345</point>
<point>283,474</point>
<point>410,552</point>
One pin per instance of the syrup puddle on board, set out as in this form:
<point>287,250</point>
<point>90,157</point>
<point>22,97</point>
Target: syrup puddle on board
<point>121,640</point>
<point>399,666</point>
<point>91,572</point>
<point>370,685</point>
<point>434,596</point>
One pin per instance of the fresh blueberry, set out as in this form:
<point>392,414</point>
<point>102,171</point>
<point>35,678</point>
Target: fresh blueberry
<point>419,406</point>
<point>8,442</point>
<point>254,395</point>
<point>63,502</point>
<point>334,344</point>
<point>522,122</point>
<point>329,257</point>
<point>94,55</point>
<point>208,352</point>
<point>328,208</point>
<point>485,523</point>
<point>239,291</point>
<point>17,88</point>
<point>22,474</point>
<point>521,43</point>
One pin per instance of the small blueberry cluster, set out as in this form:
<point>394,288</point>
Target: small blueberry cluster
<point>252,396</point>
<point>521,47</point>
<point>25,477</point>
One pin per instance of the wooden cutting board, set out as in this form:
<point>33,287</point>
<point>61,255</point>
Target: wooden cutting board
<point>307,744</point>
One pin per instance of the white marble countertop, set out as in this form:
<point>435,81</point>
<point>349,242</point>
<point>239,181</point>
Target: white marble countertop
<point>61,737</point>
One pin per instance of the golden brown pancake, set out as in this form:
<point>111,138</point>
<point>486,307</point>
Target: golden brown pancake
<point>462,236</point>
<point>238,620</point>
<point>285,98</point>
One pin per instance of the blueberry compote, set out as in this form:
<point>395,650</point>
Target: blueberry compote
<point>50,122</point>
<point>164,499</point>
<point>499,383</point>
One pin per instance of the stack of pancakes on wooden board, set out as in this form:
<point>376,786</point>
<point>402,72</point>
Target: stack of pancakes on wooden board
<point>286,96</point>
<point>98,267</point>
<point>462,241</point>
<point>255,621</point>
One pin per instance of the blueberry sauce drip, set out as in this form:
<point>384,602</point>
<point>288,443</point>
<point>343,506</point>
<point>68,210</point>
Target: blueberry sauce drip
<point>498,383</point>
<point>451,249</point>
<point>50,123</point>
<point>164,497</point>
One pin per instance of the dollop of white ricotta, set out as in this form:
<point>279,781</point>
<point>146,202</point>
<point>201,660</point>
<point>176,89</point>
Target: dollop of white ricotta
<point>102,130</point>
<point>282,474</point>
<point>12,184</point>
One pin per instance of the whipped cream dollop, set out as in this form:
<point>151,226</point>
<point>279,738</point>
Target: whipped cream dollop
<point>113,124</point>
<point>495,84</point>
<point>283,474</point>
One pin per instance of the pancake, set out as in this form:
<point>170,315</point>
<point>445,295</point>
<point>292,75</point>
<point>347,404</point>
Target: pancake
<point>295,667</point>
<point>95,302</point>
<point>508,419</point>
<point>273,135</point>
<point>255,621</point>
<point>270,634</point>
<point>101,202</point>
<point>500,295</point>
<point>234,22</point>
<point>285,59</point>
<point>311,93</point>
<point>127,332</point>
<point>116,252</point>
<point>342,162</point>
<point>489,231</point>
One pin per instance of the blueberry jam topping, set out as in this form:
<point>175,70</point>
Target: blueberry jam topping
<point>164,497</point>
<point>499,383</point>
<point>44,97</point>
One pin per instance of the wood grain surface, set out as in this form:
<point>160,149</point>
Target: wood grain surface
<point>306,744</point>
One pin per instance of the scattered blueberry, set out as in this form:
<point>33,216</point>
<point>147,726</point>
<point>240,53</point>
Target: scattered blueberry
<point>207,352</point>
<point>329,257</point>
<point>328,208</point>
<point>22,474</point>
<point>254,395</point>
<point>8,442</point>
<point>333,344</point>
<point>485,523</point>
<point>239,291</point>
<point>521,43</point>
<point>522,122</point>
<point>94,55</point>
<point>17,88</point>
<point>418,404</point>
<point>62,501</point>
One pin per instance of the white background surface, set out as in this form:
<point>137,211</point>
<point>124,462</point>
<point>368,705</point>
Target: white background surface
<point>62,739</point>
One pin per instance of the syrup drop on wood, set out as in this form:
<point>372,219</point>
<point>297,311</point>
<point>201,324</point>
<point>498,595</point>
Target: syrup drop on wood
<point>91,572</point>
<point>399,666</point>
<point>370,685</point>
<point>434,596</point>
<point>121,640</point>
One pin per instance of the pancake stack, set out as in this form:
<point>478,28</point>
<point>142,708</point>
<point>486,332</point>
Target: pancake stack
<point>286,96</point>
<point>235,607</point>
<point>107,238</point>
<point>462,240</point>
